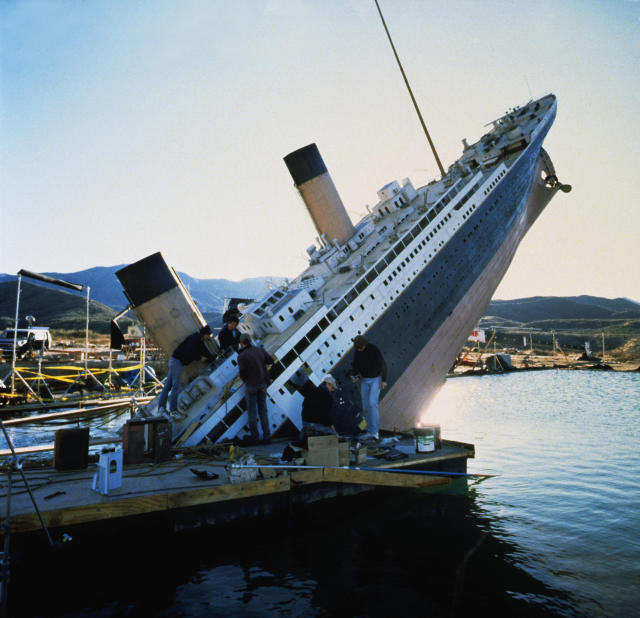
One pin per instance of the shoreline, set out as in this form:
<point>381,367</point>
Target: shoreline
<point>538,362</point>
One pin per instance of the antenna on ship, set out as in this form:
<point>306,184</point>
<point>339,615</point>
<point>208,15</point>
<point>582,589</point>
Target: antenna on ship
<point>424,126</point>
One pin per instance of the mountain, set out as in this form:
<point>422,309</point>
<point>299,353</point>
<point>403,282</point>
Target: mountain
<point>105,288</point>
<point>538,308</point>
<point>61,308</point>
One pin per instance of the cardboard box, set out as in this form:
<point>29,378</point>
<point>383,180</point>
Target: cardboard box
<point>359,455</point>
<point>317,442</point>
<point>344,454</point>
<point>322,451</point>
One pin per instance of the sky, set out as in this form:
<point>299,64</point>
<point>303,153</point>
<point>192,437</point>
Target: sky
<point>130,127</point>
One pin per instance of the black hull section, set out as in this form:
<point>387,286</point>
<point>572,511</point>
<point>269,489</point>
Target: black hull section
<point>404,330</point>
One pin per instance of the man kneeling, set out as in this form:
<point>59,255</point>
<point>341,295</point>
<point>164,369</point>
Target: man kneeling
<point>317,419</point>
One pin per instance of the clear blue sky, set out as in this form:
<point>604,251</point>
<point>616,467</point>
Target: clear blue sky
<point>130,127</point>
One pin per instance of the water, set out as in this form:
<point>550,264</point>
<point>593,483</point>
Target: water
<point>557,532</point>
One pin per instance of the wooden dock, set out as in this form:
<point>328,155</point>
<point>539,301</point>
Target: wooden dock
<point>171,489</point>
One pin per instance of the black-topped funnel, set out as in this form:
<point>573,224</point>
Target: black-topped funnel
<point>319,194</point>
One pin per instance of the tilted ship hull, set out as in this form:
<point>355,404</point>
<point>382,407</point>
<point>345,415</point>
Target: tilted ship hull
<point>414,276</point>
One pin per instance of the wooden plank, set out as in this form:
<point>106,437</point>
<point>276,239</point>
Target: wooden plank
<point>112,508</point>
<point>75,412</point>
<point>220,493</point>
<point>307,477</point>
<point>42,448</point>
<point>381,479</point>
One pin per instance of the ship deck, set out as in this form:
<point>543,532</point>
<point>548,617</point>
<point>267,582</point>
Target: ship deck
<point>170,489</point>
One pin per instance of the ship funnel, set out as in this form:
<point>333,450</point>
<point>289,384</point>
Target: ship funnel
<point>319,194</point>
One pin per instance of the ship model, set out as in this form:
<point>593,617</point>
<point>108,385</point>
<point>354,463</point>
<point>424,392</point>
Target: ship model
<point>413,276</point>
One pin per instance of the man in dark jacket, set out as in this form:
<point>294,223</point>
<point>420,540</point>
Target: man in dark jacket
<point>252,365</point>
<point>191,349</point>
<point>368,368</point>
<point>229,335</point>
<point>317,407</point>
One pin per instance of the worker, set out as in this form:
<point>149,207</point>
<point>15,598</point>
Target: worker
<point>369,368</point>
<point>252,365</point>
<point>229,336</point>
<point>191,349</point>
<point>317,407</point>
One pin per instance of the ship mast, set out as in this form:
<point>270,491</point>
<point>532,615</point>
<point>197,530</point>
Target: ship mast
<point>424,127</point>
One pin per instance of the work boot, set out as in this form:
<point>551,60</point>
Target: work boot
<point>177,416</point>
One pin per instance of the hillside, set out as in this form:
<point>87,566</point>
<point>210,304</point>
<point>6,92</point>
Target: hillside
<point>58,309</point>
<point>573,319</point>
<point>105,288</point>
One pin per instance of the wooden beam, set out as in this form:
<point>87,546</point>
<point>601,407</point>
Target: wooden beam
<point>112,508</point>
<point>381,479</point>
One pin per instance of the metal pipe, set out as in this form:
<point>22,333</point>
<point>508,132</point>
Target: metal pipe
<point>302,467</point>
<point>15,338</point>
<point>406,81</point>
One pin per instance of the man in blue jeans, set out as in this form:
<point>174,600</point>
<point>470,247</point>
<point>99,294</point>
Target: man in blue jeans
<point>368,368</point>
<point>191,349</point>
<point>252,365</point>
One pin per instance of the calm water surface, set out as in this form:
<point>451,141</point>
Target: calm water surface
<point>557,532</point>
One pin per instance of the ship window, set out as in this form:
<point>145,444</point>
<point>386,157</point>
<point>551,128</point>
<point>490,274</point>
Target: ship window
<point>302,345</point>
<point>362,307</point>
<point>313,333</point>
<point>323,323</point>
<point>332,315</point>
<point>217,431</point>
<point>281,318</point>
<point>275,371</point>
<point>278,294</point>
<point>371,276</point>
<point>361,286</point>
<point>380,266</point>
<point>399,247</point>
<point>341,306</point>
<point>289,357</point>
<point>234,415</point>
<point>290,309</point>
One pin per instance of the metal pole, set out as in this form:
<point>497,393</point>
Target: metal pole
<point>406,81</point>
<point>6,566</point>
<point>26,484</point>
<point>86,336</point>
<point>15,339</point>
<point>603,346</point>
<point>143,353</point>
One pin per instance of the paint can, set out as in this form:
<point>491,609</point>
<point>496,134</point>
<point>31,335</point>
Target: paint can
<point>427,438</point>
